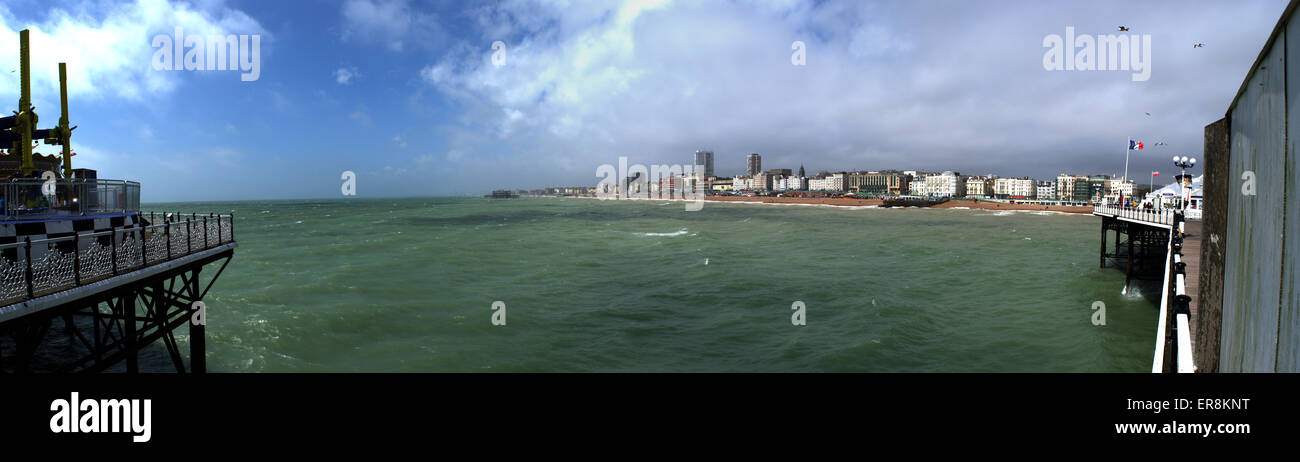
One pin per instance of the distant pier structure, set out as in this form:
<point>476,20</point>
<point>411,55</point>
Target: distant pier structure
<point>76,248</point>
<point>1231,300</point>
<point>1159,244</point>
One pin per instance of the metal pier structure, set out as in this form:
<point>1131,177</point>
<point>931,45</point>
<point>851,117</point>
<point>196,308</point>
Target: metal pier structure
<point>1160,240</point>
<point>126,281</point>
<point>76,248</point>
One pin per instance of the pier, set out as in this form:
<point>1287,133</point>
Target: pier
<point>1163,244</point>
<point>117,278</point>
<point>77,248</point>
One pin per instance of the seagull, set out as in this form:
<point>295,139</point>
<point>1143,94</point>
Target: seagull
<point>1123,29</point>
<point>1162,143</point>
<point>1198,45</point>
<point>1148,114</point>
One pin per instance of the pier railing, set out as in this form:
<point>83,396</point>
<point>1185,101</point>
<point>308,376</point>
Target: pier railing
<point>36,198</point>
<point>35,268</point>
<point>1162,217</point>
<point>1174,354</point>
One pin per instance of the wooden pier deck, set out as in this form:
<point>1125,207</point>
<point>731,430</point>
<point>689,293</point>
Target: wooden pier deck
<point>1192,257</point>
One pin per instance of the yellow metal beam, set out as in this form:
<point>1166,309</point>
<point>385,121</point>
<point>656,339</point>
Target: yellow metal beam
<point>65,133</point>
<point>26,119</point>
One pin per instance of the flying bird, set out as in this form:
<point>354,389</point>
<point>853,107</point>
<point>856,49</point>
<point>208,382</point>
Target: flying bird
<point>1198,45</point>
<point>1161,143</point>
<point>1148,114</point>
<point>1123,28</point>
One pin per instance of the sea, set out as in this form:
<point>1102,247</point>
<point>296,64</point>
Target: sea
<point>472,284</point>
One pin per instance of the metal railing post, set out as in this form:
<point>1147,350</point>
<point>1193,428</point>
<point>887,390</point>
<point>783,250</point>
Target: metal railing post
<point>205,232</point>
<point>76,258</point>
<point>27,249</point>
<point>189,237</point>
<point>167,236</point>
<point>112,240</point>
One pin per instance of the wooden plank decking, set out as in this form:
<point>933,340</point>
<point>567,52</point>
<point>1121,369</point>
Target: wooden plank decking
<point>1192,257</point>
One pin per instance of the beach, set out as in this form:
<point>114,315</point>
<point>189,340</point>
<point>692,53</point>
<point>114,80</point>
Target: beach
<point>954,203</point>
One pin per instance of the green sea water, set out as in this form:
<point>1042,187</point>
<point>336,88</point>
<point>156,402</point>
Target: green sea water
<point>407,285</point>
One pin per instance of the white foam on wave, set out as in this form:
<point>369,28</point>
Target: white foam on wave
<point>677,233</point>
<point>999,213</point>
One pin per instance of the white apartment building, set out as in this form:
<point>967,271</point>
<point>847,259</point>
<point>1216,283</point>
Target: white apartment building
<point>1046,190</point>
<point>1065,187</point>
<point>918,186</point>
<point>833,182</point>
<point>1023,188</point>
<point>1125,187</point>
<point>946,184</point>
<point>838,181</point>
<point>978,186</point>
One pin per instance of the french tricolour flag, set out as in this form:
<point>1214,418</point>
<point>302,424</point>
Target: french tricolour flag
<point>1134,145</point>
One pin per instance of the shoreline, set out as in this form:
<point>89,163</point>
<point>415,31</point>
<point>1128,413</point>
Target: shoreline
<point>840,202</point>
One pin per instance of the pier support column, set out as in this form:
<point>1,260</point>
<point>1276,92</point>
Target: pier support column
<point>198,347</point>
<point>1102,258</point>
<point>126,301</point>
<point>1128,272</point>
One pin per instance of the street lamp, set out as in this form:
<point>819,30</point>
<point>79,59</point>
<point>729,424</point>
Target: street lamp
<point>1184,163</point>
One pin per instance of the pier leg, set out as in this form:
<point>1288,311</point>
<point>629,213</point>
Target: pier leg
<point>1128,273</point>
<point>1127,233</point>
<point>127,303</point>
<point>198,350</point>
<point>1102,258</point>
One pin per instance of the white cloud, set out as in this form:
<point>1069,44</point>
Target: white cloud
<point>108,48</point>
<point>884,85</point>
<point>344,75</point>
<point>392,23</point>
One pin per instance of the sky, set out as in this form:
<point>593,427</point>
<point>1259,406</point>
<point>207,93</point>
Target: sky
<point>416,100</point>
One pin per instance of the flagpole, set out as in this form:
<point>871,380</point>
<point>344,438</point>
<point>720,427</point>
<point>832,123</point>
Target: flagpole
<point>1127,150</point>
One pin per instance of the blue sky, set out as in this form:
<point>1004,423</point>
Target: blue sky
<point>406,94</point>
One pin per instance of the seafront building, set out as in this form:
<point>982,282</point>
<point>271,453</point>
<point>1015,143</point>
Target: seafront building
<point>946,184</point>
<point>762,181</point>
<point>877,183</point>
<point>753,165</point>
<point>1118,187</point>
<point>1046,191</point>
<point>979,186</point>
<point>720,185</point>
<point>1066,187</point>
<point>705,158</point>
<point>1073,188</point>
<point>1021,188</point>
